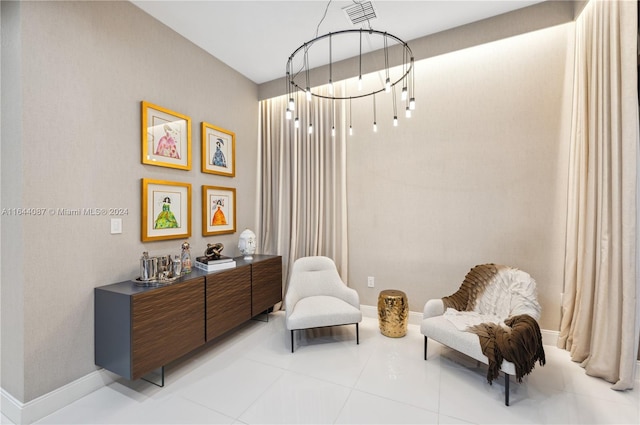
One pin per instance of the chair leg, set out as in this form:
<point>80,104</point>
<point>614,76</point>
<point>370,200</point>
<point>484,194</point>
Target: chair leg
<point>357,334</point>
<point>425,347</point>
<point>292,340</point>
<point>506,389</point>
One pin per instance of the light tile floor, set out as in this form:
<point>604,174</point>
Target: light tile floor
<point>251,377</point>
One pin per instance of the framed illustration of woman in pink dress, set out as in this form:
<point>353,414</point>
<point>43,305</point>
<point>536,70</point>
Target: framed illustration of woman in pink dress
<point>166,137</point>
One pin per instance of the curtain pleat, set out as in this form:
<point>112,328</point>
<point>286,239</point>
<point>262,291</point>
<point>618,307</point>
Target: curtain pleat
<point>302,180</point>
<point>600,319</point>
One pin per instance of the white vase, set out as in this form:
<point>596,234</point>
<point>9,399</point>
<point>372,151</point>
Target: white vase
<point>247,244</point>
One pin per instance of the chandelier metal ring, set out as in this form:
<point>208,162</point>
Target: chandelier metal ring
<point>293,85</point>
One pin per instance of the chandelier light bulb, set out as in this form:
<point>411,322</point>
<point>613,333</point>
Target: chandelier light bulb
<point>387,86</point>
<point>350,131</point>
<point>297,122</point>
<point>412,103</point>
<point>408,113</point>
<point>330,87</point>
<point>360,83</point>
<point>310,128</point>
<point>403,96</point>
<point>375,127</point>
<point>395,121</point>
<point>292,104</point>
<point>308,92</point>
<point>288,114</point>
<point>333,132</point>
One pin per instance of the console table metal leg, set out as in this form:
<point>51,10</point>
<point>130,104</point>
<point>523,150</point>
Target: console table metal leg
<point>161,384</point>
<point>265,314</point>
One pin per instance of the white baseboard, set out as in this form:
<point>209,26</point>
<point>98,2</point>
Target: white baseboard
<point>31,411</point>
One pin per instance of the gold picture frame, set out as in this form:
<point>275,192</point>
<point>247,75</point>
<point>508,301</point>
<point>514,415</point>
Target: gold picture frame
<point>166,210</point>
<point>166,137</point>
<point>218,150</point>
<point>218,210</point>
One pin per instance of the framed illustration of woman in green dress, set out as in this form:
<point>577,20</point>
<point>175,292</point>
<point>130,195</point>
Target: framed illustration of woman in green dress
<point>166,210</point>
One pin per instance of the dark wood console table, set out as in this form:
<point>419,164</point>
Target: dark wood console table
<point>140,329</point>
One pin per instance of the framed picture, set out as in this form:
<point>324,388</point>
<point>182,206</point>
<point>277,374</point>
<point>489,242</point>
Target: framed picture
<point>166,137</point>
<point>218,150</point>
<point>218,210</point>
<point>166,210</point>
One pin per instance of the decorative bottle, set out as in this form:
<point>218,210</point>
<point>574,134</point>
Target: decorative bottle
<point>148,267</point>
<point>176,266</point>
<point>186,258</point>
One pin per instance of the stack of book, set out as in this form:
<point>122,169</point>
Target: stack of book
<point>212,265</point>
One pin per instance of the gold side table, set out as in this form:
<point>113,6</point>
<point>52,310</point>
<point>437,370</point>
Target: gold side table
<point>393,313</point>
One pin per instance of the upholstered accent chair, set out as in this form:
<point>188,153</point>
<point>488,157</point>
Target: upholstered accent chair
<point>317,297</point>
<point>492,318</point>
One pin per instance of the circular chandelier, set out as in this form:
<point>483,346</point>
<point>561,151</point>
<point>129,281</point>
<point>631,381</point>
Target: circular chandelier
<point>313,54</point>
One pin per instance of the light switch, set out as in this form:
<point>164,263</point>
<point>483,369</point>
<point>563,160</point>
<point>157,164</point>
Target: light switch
<point>116,226</point>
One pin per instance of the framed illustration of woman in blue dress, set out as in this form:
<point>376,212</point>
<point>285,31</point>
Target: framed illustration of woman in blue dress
<point>218,150</point>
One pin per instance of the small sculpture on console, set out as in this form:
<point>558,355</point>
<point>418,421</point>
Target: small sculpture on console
<point>247,244</point>
<point>213,251</point>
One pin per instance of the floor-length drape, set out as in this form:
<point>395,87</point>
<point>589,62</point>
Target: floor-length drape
<point>302,182</point>
<point>600,307</point>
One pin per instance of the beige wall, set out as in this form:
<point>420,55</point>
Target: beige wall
<point>477,175</point>
<point>74,142</point>
<point>11,295</point>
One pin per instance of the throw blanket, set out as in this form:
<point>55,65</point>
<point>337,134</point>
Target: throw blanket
<point>490,289</point>
<point>520,343</point>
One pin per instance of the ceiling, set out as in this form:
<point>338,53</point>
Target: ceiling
<point>257,37</point>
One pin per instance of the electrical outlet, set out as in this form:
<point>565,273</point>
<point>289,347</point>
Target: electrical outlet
<point>370,282</point>
<point>116,226</point>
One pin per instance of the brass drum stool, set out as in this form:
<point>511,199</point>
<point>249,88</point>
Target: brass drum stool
<point>393,313</point>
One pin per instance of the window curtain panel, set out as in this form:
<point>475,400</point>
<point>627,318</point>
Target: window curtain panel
<point>600,323</point>
<point>302,181</point>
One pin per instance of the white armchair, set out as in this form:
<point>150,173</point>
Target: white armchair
<point>317,297</point>
<point>492,318</point>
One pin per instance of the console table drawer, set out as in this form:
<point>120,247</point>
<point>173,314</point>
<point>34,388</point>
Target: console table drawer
<point>167,324</point>
<point>228,300</point>
<point>266,284</point>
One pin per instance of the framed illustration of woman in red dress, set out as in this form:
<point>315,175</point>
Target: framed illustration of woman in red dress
<point>218,210</point>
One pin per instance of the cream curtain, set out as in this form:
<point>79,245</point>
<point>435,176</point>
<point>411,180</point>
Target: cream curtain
<point>600,307</point>
<point>302,182</point>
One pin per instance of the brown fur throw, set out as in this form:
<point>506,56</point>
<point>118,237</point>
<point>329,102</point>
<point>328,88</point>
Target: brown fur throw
<point>520,343</point>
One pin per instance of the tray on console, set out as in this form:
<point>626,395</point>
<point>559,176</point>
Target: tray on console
<point>155,282</point>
